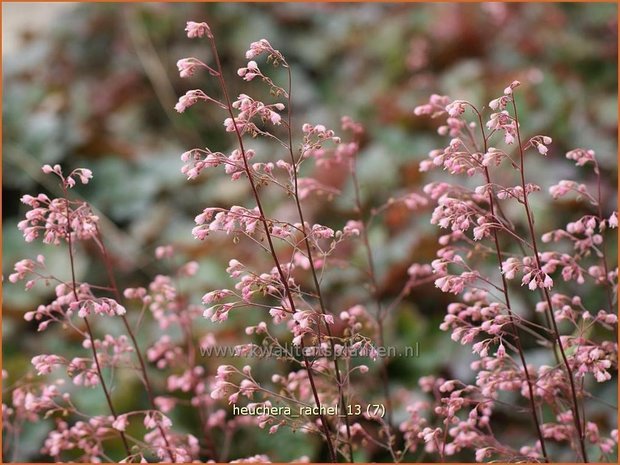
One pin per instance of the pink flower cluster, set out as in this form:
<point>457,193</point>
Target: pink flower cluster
<point>486,318</point>
<point>521,299</point>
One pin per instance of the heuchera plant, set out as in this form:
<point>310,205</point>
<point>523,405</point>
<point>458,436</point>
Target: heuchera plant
<point>536,290</point>
<point>580,339</point>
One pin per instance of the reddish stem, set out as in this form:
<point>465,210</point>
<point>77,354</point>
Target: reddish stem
<point>556,332</point>
<point>597,171</point>
<point>513,327</point>
<point>265,225</point>
<point>145,378</point>
<point>312,266</point>
<point>88,328</point>
<point>381,314</point>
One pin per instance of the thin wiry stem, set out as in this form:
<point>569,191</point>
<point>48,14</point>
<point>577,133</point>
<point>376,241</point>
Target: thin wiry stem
<point>513,326</point>
<point>381,314</point>
<point>88,327</point>
<point>311,260</point>
<point>530,222</point>
<point>263,220</point>
<point>145,377</point>
<point>599,205</point>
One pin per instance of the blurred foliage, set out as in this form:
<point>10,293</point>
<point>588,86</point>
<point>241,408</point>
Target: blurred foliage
<point>98,91</point>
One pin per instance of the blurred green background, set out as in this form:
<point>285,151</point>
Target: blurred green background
<point>96,88</point>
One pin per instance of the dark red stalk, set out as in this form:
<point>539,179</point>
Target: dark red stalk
<point>88,327</point>
<point>599,205</point>
<point>265,225</point>
<point>513,327</point>
<point>530,221</point>
<point>315,278</point>
<point>375,288</point>
<point>145,378</point>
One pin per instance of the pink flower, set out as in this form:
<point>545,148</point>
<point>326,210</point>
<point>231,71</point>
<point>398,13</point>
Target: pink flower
<point>149,421</point>
<point>84,174</point>
<point>274,117</point>
<point>187,66</point>
<point>165,404</point>
<point>413,201</point>
<point>103,306</point>
<point>510,267</point>
<point>435,107</point>
<point>482,454</point>
<point>164,251</point>
<point>195,30</point>
<point>234,268</point>
<point>47,169</point>
<point>22,268</point>
<point>250,71</point>
<point>218,313</point>
<point>121,423</point>
<point>508,90</point>
<point>501,351</point>
<point>44,364</point>
<point>57,218</point>
<point>502,121</point>
<point>456,108</point>
<point>565,186</point>
<point>353,228</point>
<point>499,103</point>
<point>417,270</point>
<point>322,232</point>
<point>215,296</point>
<point>581,156</point>
<point>258,48</point>
<point>189,99</point>
<point>189,269</point>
